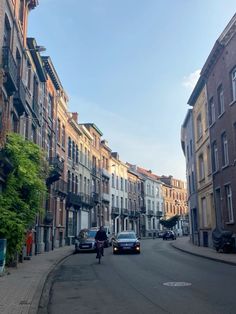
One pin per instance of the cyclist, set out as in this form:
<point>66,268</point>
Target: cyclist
<point>100,236</point>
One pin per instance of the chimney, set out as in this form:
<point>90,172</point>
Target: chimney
<point>75,116</point>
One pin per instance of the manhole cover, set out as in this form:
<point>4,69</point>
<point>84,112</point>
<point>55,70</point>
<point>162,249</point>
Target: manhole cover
<point>177,284</point>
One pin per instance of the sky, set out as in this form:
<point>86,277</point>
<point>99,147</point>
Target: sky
<point>129,66</point>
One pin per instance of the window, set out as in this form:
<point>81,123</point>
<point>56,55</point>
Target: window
<point>117,183</point>
<point>113,180</point>
<point>50,106</point>
<point>204,212</point>
<point>121,184</point>
<point>58,130</point>
<point>7,33</point>
<point>234,83</point>
<point>229,203</point>
<point>221,104</point>
<point>21,12</point>
<point>201,167</point>
<point>73,151</point>
<point>199,126</point>
<point>225,153</point>
<point>208,159</point>
<point>212,114</point>
<point>68,181</point>
<point>215,160</point>
<point>63,136</point>
<point>77,155</point>
<point>69,147</point>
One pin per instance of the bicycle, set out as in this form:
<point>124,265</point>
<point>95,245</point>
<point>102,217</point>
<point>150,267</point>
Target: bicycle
<point>100,246</point>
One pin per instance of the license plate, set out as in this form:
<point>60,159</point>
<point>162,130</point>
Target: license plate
<point>85,246</point>
<point>126,247</point>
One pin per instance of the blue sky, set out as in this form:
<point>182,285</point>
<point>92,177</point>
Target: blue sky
<point>129,66</point>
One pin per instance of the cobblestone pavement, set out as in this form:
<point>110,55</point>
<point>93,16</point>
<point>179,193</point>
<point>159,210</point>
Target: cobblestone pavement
<point>21,287</point>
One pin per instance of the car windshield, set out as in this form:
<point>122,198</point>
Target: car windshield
<point>126,236</point>
<point>92,233</point>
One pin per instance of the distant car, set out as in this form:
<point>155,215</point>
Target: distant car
<point>85,241</point>
<point>126,241</point>
<point>169,235</point>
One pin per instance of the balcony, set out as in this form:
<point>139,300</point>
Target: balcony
<point>115,211</point>
<point>95,171</point>
<point>73,199</point>
<point>159,214</point>
<point>57,167</point>
<point>86,199</point>
<point>20,98</point>
<point>61,187</point>
<point>124,212</point>
<point>10,68</point>
<point>48,217</point>
<point>150,213</point>
<point>143,209</point>
<point>105,197</point>
<point>105,173</point>
<point>95,197</point>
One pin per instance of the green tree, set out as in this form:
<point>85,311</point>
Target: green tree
<point>25,189</point>
<point>169,223</point>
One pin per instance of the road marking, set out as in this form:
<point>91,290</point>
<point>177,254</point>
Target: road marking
<point>177,284</point>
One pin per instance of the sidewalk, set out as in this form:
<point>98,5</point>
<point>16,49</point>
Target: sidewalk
<point>184,244</point>
<point>20,291</point>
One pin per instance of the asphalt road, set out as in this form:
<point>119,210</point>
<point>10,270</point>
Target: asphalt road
<point>159,280</point>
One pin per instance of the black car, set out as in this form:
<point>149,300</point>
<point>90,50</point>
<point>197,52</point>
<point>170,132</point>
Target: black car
<point>126,242</point>
<point>169,235</point>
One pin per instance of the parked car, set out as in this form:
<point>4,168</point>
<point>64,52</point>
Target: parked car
<point>160,233</point>
<point>169,234</point>
<point>85,241</point>
<point>126,241</point>
<point>109,236</point>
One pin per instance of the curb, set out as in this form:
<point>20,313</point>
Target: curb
<point>40,287</point>
<point>204,256</point>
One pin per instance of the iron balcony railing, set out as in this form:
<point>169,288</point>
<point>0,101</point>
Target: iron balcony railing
<point>115,210</point>
<point>105,197</point>
<point>95,197</point>
<point>124,212</point>
<point>73,199</point>
<point>61,186</point>
<point>159,214</point>
<point>143,209</point>
<point>20,97</point>
<point>150,212</point>
<point>10,68</point>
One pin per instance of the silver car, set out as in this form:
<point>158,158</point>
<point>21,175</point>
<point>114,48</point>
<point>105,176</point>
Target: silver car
<point>85,241</point>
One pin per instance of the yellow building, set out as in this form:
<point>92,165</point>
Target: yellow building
<point>206,211</point>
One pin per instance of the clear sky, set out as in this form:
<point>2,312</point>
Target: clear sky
<point>129,67</point>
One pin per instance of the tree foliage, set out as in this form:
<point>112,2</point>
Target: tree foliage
<point>25,189</point>
<point>169,223</point>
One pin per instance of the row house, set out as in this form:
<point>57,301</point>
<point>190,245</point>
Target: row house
<point>13,71</point>
<point>175,202</point>
<point>95,155</point>
<point>118,193</point>
<point>151,202</point>
<point>213,100</point>
<point>188,147</point>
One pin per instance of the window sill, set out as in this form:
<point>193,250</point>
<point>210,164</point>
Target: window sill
<point>220,115</point>
<point>225,166</point>
<point>230,223</point>
<point>232,102</point>
<point>212,124</point>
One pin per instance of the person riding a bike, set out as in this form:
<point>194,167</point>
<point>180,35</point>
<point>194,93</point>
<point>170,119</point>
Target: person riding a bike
<point>100,236</point>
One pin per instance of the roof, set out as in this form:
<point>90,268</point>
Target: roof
<point>92,125</point>
<point>52,72</point>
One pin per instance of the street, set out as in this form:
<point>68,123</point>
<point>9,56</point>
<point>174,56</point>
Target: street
<point>159,280</point>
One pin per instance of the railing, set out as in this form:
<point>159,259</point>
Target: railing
<point>48,217</point>
<point>74,199</point>
<point>143,209</point>
<point>159,214</point>
<point>20,96</point>
<point>105,173</point>
<point>124,212</point>
<point>61,186</point>
<point>86,199</point>
<point>57,164</point>
<point>105,197</point>
<point>150,212</point>
<point>115,210</point>
<point>10,68</point>
<point>95,197</point>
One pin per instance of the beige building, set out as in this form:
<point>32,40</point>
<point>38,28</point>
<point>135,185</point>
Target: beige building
<point>206,211</point>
